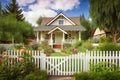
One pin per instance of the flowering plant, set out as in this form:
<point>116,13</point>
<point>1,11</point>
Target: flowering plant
<point>15,68</point>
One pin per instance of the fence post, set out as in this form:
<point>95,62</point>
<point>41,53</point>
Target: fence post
<point>86,61</point>
<point>42,60</point>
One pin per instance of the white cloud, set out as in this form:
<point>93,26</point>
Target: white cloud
<point>46,8</point>
<point>32,16</point>
<point>65,4</point>
<point>24,2</point>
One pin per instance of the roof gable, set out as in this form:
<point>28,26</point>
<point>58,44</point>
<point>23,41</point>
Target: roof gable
<point>61,14</point>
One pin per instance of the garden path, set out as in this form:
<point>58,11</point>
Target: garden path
<point>60,78</point>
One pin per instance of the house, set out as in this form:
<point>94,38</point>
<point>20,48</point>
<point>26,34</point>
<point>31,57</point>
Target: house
<point>59,30</point>
<point>97,34</point>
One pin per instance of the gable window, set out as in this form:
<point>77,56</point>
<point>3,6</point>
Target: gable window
<point>61,22</point>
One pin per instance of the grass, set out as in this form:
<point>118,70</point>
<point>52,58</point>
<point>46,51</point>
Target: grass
<point>59,54</point>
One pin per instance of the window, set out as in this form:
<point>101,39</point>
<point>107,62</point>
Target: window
<point>67,36</point>
<point>46,36</point>
<point>61,22</point>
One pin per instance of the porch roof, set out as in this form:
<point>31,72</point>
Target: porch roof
<point>64,27</point>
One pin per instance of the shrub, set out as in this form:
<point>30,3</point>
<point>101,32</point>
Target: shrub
<point>81,76</point>
<point>100,72</point>
<point>77,44</point>
<point>83,46</point>
<point>103,67</point>
<point>46,47</point>
<point>109,46</point>
<point>2,49</point>
<point>34,46</point>
<point>42,75</point>
<point>17,69</point>
<point>69,49</point>
<point>105,39</point>
<point>97,76</point>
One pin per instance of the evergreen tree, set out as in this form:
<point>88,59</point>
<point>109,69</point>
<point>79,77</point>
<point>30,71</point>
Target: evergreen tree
<point>85,35</point>
<point>39,21</point>
<point>14,9</point>
<point>0,9</point>
<point>105,14</point>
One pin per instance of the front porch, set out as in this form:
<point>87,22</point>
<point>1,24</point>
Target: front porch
<point>57,37</point>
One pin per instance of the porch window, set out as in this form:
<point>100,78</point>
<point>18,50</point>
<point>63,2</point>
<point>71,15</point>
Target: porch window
<point>67,36</point>
<point>47,36</point>
<point>61,22</point>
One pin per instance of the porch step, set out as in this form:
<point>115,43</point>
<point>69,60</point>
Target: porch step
<point>57,50</point>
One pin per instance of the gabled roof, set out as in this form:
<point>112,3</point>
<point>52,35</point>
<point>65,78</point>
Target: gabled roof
<point>48,20</point>
<point>60,14</point>
<point>45,20</point>
<point>56,29</point>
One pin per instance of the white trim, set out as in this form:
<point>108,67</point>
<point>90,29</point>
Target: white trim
<point>57,28</point>
<point>58,16</point>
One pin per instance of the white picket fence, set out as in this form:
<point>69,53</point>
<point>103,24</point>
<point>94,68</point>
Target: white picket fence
<point>71,64</point>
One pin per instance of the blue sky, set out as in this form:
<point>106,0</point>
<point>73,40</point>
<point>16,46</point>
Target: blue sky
<point>33,9</point>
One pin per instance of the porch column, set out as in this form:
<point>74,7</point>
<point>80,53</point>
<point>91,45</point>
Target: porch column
<point>40,36</point>
<point>63,39</point>
<point>79,36</point>
<point>37,36</point>
<point>51,40</point>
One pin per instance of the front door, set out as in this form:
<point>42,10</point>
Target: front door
<point>57,39</point>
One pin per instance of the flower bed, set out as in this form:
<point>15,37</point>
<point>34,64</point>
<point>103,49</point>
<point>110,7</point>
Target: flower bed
<point>21,68</point>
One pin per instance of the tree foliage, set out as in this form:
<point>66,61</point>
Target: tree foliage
<point>0,9</point>
<point>12,26</point>
<point>15,9</point>
<point>39,21</point>
<point>85,35</point>
<point>13,30</point>
<point>105,14</point>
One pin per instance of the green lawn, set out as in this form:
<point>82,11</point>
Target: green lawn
<point>59,54</point>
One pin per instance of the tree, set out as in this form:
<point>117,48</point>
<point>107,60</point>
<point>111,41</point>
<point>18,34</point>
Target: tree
<point>85,35</point>
<point>13,30</point>
<point>0,9</point>
<point>105,14</point>
<point>39,21</point>
<point>15,9</point>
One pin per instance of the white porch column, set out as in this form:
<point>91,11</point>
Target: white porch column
<point>79,36</point>
<point>37,36</point>
<point>51,39</point>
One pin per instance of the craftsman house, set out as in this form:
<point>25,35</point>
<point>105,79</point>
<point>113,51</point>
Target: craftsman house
<point>59,30</point>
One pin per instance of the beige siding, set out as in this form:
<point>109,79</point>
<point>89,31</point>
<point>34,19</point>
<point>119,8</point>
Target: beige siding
<point>98,32</point>
<point>43,35</point>
<point>66,22</point>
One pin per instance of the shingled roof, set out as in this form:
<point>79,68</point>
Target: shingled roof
<point>64,27</point>
<point>45,20</point>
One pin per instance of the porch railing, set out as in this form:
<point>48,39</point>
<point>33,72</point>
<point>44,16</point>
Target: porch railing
<point>69,41</point>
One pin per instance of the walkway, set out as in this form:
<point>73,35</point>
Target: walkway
<point>60,78</point>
